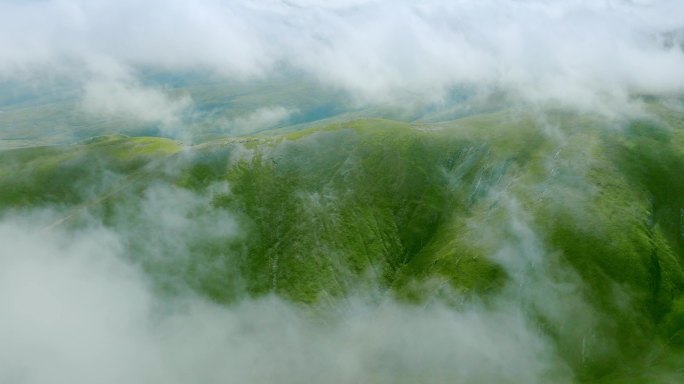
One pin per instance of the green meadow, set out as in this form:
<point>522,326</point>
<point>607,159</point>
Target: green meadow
<point>577,220</point>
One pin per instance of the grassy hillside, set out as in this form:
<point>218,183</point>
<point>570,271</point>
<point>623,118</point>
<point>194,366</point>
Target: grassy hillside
<point>577,220</point>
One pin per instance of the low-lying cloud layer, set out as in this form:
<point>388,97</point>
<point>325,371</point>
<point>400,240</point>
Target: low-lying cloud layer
<point>259,119</point>
<point>127,99</point>
<point>578,52</point>
<point>76,311</point>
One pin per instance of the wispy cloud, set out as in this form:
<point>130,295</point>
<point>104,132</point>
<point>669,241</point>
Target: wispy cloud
<point>259,119</point>
<point>76,311</point>
<point>578,52</point>
<point>128,99</point>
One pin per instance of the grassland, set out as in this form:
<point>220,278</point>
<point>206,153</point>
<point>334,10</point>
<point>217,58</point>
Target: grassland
<point>567,209</point>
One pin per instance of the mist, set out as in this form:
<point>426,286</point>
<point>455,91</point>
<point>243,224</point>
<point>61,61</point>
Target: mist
<point>77,309</point>
<point>575,53</point>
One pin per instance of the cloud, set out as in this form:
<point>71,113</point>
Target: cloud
<point>259,119</point>
<point>577,52</point>
<point>75,310</point>
<point>128,99</point>
<point>82,304</point>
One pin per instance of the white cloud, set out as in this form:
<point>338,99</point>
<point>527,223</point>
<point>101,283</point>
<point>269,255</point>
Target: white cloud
<point>128,99</point>
<point>74,311</point>
<point>579,52</point>
<point>259,119</point>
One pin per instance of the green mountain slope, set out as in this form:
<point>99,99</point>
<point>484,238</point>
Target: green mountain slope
<point>578,221</point>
